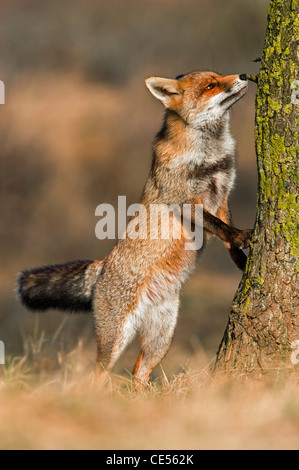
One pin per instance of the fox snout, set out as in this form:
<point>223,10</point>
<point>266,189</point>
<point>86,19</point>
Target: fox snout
<point>233,83</point>
<point>243,77</point>
<point>241,82</point>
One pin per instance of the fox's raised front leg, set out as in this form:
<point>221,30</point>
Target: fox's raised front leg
<point>227,233</point>
<point>223,229</point>
<point>237,255</point>
<point>234,239</point>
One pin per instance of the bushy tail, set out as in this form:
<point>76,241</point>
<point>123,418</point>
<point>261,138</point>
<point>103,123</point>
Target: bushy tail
<point>66,286</point>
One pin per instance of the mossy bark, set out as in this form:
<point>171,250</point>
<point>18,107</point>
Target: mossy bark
<point>264,320</point>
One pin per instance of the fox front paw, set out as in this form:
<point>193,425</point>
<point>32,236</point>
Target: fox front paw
<point>239,258</point>
<point>242,239</point>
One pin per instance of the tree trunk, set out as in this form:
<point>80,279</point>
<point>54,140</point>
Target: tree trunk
<point>264,321</point>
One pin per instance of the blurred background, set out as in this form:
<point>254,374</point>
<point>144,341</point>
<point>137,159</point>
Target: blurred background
<point>77,130</point>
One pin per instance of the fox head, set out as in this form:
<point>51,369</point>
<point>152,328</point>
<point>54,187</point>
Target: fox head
<point>199,97</point>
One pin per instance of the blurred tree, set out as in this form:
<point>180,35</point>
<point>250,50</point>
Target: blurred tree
<point>264,321</point>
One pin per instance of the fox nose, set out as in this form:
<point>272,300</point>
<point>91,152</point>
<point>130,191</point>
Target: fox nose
<point>243,76</point>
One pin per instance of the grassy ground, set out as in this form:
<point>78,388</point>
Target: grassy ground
<point>47,402</point>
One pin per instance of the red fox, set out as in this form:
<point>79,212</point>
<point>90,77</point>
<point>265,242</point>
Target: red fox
<point>136,288</point>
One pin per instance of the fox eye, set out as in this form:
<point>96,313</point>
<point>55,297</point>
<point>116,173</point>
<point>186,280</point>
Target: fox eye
<point>211,86</point>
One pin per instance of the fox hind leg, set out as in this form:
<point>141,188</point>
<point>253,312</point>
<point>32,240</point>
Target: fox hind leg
<point>156,335</point>
<point>112,339</point>
<point>155,325</point>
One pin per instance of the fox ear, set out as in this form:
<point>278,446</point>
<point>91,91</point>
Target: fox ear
<point>166,90</point>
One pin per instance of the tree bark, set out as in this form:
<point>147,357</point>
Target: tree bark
<point>264,320</point>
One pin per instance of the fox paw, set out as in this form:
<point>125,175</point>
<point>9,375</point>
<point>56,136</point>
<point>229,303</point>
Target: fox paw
<point>239,257</point>
<point>242,239</point>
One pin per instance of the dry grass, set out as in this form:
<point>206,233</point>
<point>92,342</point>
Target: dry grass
<point>46,402</point>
